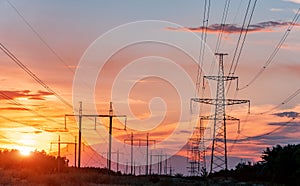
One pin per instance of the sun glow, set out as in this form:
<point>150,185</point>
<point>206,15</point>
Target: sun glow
<point>27,145</point>
<point>25,151</point>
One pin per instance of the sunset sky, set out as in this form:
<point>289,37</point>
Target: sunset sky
<point>51,38</point>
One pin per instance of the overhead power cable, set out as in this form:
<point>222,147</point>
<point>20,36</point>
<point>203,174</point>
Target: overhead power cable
<point>246,138</point>
<point>285,101</point>
<point>270,132</point>
<point>223,21</point>
<point>275,51</point>
<point>5,96</point>
<point>240,45</point>
<point>221,31</point>
<point>40,37</point>
<point>31,74</point>
<point>206,12</point>
<point>15,121</point>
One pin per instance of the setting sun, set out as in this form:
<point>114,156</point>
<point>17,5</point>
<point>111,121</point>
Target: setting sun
<point>25,151</point>
<point>150,92</point>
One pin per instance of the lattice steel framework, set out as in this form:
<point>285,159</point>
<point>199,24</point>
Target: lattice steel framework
<point>197,152</point>
<point>219,144</point>
<point>193,153</point>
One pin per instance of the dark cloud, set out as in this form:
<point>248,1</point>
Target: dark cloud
<point>33,132</point>
<point>290,124</point>
<point>39,95</point>
<point>279,135</point>
<point>12,108</point>
<point>185,131</point>
<point>287,114</point>
<point>267,26</point>
<point>55,129</point>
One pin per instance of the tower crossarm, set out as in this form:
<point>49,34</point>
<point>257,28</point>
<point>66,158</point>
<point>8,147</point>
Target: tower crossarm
<point>221,78</point>
<point>212,117</point>
<point>217,101</point>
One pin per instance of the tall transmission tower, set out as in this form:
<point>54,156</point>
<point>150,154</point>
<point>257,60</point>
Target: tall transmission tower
<point>219,118</point>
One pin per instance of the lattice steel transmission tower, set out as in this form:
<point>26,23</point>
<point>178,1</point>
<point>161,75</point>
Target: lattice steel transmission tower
<point>197,152</point>
<point>219,144</point>
<point>193,153</point>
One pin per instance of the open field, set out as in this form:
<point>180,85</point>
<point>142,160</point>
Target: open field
<point>94,177</point>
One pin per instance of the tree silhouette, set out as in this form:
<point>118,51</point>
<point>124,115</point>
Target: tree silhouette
<point>279,165</point>
<point>37,161</point>
<point>282,164</point>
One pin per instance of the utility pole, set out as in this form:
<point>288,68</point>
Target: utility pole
<point>166,165</point>
<point>118,161</point>
<point>126,169</point>
<point>110,115</point>
<point>132,140</point>
<point>118,158</point>
<point>147,151</point>
<point>79,133</point>
<point>59,143</point>
<point>159,162</point>
<point>75,154</point>
<point>58,156</point>
<point>219,145</point>
<point>150,163</point>
<point>131,153</point>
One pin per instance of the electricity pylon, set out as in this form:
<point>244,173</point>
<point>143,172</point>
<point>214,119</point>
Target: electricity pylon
<point>219,144</point>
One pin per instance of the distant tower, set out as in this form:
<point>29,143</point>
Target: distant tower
<point>219,145</point>
<point>194,153</point>
<point>197,152</point>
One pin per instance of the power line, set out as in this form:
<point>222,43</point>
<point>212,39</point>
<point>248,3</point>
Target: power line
<point>243,30</point>
<point>40,37</point>
<point>246,138</point>
<point>206,13</point>
<point>219,144</point>
<point>222,27</point>
<point>5,96</point>
<point>244,39</point>
<point>31,74</point>
<point>15,121</point>
<point>270,132</point>
<point>10,141</point>
<point>239,48</point>
<point>223,21</point>
<point>285,101</point>
<point>271,57</point>
<point>273,54</point>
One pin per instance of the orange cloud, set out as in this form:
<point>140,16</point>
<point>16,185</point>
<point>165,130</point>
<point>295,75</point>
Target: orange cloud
<point>40,95</point>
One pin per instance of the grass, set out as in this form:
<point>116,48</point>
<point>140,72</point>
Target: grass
<point>97,177</point>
